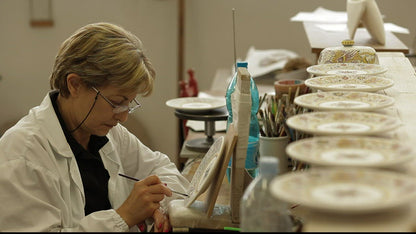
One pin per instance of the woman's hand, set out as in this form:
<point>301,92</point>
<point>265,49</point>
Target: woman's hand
<point>143,200</point>
<point>161,222</point>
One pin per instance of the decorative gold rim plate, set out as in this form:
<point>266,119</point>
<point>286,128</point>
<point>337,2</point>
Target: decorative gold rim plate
<point>364,83</point>
<point>346,69</point>
<point>345,190</point>
<point>357,151</point>
<point>343,123</point>
<point>344,100</point>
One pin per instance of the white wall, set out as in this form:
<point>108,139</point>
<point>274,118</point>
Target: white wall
<point>27,54</point>
<point>264,24</point>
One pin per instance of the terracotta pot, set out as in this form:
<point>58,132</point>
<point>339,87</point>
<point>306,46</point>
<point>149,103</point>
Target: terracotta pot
<point>282,87</point>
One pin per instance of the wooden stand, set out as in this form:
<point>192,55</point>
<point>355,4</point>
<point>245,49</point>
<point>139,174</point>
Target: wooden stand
<point>207,214</point>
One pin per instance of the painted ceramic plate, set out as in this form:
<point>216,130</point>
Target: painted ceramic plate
<point>364,83</point>
<point>206,171</point>
<point>344,100</point>
<point>343,123</point>
<point>345,190</point>
<point>196,104</point>
<point>346,69</point>
<point>357,151</point>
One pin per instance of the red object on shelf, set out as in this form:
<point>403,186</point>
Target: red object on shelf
<point>192,84</point>
<point>183,89</point>
<point>188,88</point>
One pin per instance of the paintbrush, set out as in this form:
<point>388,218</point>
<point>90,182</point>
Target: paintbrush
<point>135,179</point>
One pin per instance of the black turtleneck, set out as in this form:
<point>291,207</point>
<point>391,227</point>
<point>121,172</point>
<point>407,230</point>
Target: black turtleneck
<point>94,175</point>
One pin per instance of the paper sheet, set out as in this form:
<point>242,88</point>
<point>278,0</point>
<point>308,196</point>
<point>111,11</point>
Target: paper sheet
<point>261,62</point>
<point>321,15</point>
<point>335,21</point>
<point>343,27</point>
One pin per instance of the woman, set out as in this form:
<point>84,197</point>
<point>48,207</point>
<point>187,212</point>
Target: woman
<point>59,165</point>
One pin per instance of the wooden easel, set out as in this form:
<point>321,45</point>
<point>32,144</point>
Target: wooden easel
<point>207,214</point>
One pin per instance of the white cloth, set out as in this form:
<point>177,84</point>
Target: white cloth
<point>261,62</point>
<point>41,186</point>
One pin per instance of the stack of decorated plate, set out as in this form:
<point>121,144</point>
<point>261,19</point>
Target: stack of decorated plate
<point>348,175</point>
<point>346,110</point>
<point>344,104</point>
<point>345,101</point>
<point>353,164</point>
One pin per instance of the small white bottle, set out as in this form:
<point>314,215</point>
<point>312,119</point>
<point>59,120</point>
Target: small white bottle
<point>260,211</point>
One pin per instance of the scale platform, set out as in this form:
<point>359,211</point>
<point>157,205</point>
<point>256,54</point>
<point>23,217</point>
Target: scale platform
<point>209,117</point>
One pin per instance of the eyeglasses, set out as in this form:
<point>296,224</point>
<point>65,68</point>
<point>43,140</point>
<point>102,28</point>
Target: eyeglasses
<point>118,109</point>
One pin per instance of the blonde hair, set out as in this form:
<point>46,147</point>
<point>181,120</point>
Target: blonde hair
<point>103,54</point>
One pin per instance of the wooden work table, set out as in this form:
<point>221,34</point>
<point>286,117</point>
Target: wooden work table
<point>320,39</point>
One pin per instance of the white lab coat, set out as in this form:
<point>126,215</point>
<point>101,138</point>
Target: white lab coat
<point>41,186</point>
